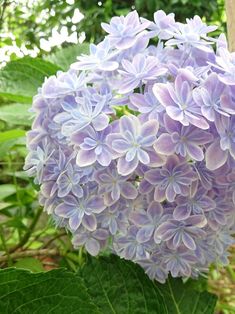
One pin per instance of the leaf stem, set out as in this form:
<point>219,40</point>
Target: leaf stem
<point>8,256</point>
<point>31,227</point>
<point>4,6</point>
<point>80,256</point>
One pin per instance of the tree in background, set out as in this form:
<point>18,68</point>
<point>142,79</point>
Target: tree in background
<point>25,26</point>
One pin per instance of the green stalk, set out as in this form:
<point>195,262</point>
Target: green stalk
<point>9,260</point>
<point>27,235</point>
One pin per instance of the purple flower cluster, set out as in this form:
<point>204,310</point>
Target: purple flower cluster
<point>134,147</point>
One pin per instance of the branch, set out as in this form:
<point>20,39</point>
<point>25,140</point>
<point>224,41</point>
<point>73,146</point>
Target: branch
<point>29,232</point>
<point>31,253</point>
<point>230,12</point>
<point>4,6</point>
<point>54,238</point>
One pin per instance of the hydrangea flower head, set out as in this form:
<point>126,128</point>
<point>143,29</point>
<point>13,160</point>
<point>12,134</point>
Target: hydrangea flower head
<point>134,146</point>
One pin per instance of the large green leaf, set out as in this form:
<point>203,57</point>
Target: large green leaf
<point>104,286</point>
<point>11,135</point>
<point>65,56</point>
<point>20,79</point>
<point>16,114</point>
<point>118,286</point>
<point>7,190</point>
<point>30,263</point>
<point>57,291</point>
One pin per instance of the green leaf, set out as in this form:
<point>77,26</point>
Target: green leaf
<point>16,114</point>
<point>10,135</point>
<point>65,56</point>
<point>103,286</point>
<point>20,79</point>
<point>118,286</point>
<point>15,222</point>
<point>57,291</point>
<point>35,245</point>
<point>4,205</point>
<point>30,263</point>
<point>6,146</point>
<point>6,190</point>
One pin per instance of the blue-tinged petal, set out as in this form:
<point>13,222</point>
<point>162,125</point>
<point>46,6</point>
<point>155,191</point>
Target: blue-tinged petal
<point>108,66</point>
<point>143,156</point>
<point>144,234</point>
<point>100,122</point>
<point>215,157</point>
<point>95,204</point>
<point>129,123</point>
<point>182,212</point>
<point>170,193</point>
<point>195,152</point>
<point>177,239</point>
<point>145,187</point>
<point>147,141</point>
<point>85,158</point>
<point>149,128</point>
<point>166,231</point>
<point>188,241</point>
<point>139,218</point>
<point>77,190</point>
<point>155,210</point>
<point>64,210</point>
<point>153,176</point>
<point>92,246</point>
<point>176,114</point>
<point>104,159</point>
<point>124,167</point>
<point>128,190</point>
<point>131,154</point>
<point>120,145</point>
<point>164,145</point>
<point>89,222</point>
<point>75,221</point>
<point>115,193</point>
<point>162,94</point>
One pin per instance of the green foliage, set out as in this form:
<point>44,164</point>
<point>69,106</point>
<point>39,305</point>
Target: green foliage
<point>7,190</point>
<point>64,57</point>
<point>35,20</point>
<point>12,134</point>
<point>105,285</point>
<point>118,286</point>
<point>20,79</point>
<point>16,114</point>
<point>57,291</point>
<point>30,263</point>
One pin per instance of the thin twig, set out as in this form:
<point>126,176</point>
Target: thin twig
<point>31,253</point>
<point>29,231</point>
<point>4,6</point>
<point>230,11</point>
<point>39,235</point>
<point>4,245</point>
<point>54,238</point>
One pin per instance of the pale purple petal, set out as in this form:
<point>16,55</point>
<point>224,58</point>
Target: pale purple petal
<point>215,156</point>
<point>86,158</point>
<point>164,145</point>
<point>124,167</point>
<point>128,190</point>
<point>89,222</point>
<point>92,246</point>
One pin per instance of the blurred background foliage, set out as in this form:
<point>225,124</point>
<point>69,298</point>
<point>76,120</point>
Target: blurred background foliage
<point>28,24</point>
<point>52,31</point>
